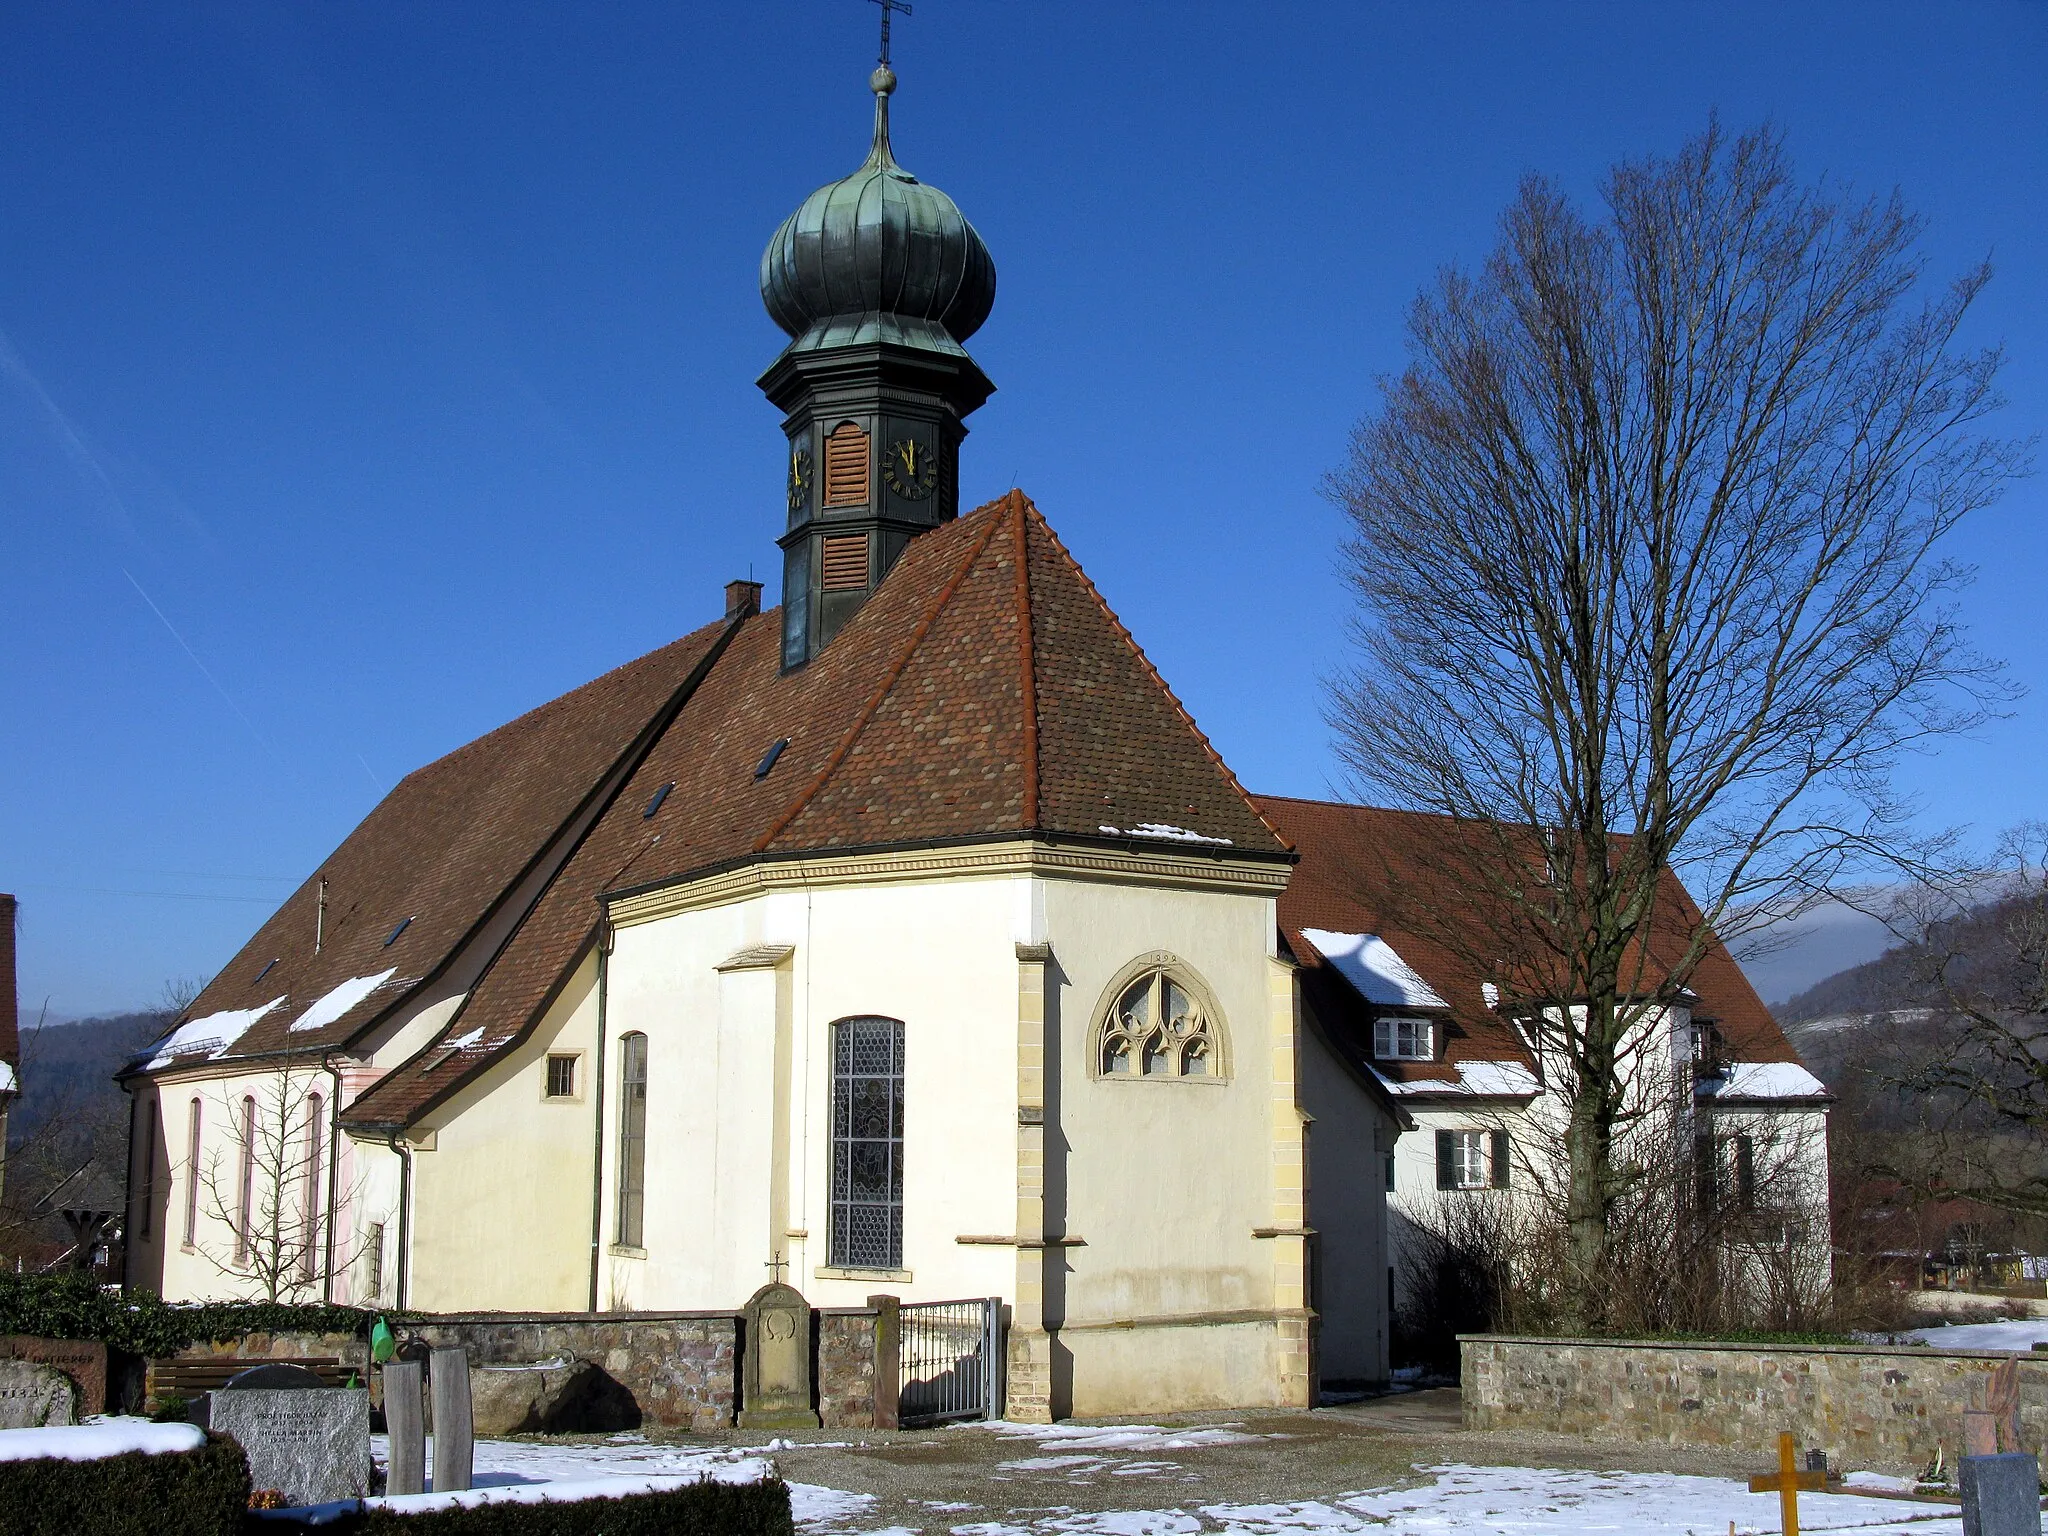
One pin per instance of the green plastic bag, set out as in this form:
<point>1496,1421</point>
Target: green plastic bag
<point>382,1345</point>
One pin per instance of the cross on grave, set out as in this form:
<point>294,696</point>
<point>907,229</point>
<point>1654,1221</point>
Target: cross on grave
<point>1789,1479</point>
<point>775,1267</point>
<point>888,6</point>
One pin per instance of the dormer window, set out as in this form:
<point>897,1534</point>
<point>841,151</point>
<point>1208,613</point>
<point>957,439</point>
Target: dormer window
<point>1403,1040</point>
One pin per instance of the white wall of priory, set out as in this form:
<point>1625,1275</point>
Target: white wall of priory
<point>1174,1206</point>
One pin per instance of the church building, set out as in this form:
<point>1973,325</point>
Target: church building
<point>909,938</point>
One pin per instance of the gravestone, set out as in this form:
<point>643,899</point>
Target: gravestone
<point>274,1378</point>
<point>405,1421</point>
<point>35,1396</point>
<point>2001,1495</point>
<point>454,1444</point>
<point>775,1382</point>
<point>83,1360</point>
<point>310,1443</point>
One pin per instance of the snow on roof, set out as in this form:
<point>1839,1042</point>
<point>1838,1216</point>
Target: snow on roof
<point>6,1078</point>
<point>104,1437</point>
<point>338,1002</point>
<point>1165,833</point>
<point>1370,964</point>
<point>1764,1080</point>
<point>1478,1079</point>
<point>207,1036</point>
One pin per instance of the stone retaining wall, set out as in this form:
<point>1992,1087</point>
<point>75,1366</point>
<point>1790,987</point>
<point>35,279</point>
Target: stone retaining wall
<point>1867,1406</point>
<point>681,1369</point>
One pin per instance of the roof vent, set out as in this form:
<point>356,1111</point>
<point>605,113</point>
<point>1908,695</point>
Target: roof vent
<point>768,758</point>
<point>654,805</point>
<point>403,923</point>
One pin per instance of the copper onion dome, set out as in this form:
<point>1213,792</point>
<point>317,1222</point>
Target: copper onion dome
<point>878,256</point>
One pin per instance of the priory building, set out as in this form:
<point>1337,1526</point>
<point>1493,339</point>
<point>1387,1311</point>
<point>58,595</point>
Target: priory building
<point>907,939</point>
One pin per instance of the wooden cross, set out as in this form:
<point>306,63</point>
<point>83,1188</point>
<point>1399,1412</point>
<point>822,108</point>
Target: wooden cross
<point>1787,1482</point>
<point>888,6</point>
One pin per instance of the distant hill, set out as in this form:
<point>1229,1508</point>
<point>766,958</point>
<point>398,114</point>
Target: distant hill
<point>67,1071</point>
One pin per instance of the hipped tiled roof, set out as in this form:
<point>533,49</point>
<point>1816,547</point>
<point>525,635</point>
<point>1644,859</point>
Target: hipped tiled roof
<point>1365,870</point>
<point>985,690</point>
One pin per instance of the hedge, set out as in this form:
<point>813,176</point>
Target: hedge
<point>72,1305</point>
<point>201,1492</point>
<point>699,1509</point>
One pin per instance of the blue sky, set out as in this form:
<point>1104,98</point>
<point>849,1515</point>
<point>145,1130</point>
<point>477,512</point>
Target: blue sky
<point>370,373</point>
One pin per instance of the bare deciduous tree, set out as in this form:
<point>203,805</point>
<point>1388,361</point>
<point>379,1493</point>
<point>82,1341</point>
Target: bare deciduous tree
<point>1646,547</point>
<point>266,1186</point>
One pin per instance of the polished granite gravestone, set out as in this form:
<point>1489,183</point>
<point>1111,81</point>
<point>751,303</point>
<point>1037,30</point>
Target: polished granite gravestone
<point>2001,1495</point>
<point>35,1396</point>
<point>776,1375</point>
<point>312,1444</point>
<point>83,1360</point>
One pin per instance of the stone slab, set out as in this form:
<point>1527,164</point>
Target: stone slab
<point>83,1360</point>
<point>35,1396</point>
<point>312,1445</point>
<point>776,1385</point>
<point>2001,1495</point>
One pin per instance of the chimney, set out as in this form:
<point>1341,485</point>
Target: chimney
<point>742,598</point>
<point>10,1038</point>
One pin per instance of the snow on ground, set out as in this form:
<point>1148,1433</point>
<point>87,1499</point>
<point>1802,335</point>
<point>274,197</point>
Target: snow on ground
<point>96,1438</point>
<point>2022,1333</point>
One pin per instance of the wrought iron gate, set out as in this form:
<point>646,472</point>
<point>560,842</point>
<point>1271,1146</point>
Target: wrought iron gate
<point>952,1355</point>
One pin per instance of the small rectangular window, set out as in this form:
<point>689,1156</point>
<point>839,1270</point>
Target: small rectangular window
<point>632,1174</point>
<point>373,1261</point>
<point>192,1132</point>
<point>1390,1173</point>
<point>562,1077</point>
<point>1471,1159</point>
<point>1403,1040</point>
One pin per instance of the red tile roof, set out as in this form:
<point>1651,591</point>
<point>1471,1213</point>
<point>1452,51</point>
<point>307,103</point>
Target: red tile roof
<point>984,690</point>
<point>1358,861</point>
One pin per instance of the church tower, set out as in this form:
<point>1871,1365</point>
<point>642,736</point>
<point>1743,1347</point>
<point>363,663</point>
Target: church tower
<point>878,279</point>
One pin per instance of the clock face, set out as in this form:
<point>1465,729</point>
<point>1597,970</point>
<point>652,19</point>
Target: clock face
<point>911,469</point>
<point>799,478</point>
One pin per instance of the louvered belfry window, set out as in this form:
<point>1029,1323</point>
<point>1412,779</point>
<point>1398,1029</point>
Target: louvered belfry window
<point>846,562</point>
<point>867,1144</point>
<point>846,467</point>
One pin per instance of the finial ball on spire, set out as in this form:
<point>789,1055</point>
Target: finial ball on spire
<point>883,81</point>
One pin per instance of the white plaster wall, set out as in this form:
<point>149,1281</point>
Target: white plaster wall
<point>501,1195</point>
<point>1166,1178</point>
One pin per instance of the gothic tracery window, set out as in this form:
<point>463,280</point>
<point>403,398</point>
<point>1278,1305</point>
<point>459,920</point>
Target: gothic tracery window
<point>1158,1028</point>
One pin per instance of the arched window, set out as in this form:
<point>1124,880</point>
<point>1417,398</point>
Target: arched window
<point>309,1199</point>
<point>867,1144</point>
<point>632,1203</point>
<point>245,1222</point>
<point>1160,1023</point>
<point>192,1177</point>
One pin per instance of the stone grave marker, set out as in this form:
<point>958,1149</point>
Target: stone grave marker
<point>776,1378</point>
<point>310,1443</point>
<point>35,1396</point>
<point>2001,1495</point>
<point>405,1420</point>
<point>454,1443</point>
<point>83,1360</point>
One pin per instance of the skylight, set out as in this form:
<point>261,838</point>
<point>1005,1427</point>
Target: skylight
<point>266,970</point>
<point>768,758</point>
<point>393,939</point>
<point>654,805</point>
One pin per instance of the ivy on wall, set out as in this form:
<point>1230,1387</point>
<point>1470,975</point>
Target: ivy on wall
<point>74,1306</point>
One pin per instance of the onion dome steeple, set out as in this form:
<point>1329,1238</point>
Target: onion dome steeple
<point>877,278</point>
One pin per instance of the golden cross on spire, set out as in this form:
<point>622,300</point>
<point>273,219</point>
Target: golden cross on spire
<point>888,6</point>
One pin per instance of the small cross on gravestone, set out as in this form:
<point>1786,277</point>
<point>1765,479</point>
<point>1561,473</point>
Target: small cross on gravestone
<point>776,1376</point>
<point>2001,1495</point>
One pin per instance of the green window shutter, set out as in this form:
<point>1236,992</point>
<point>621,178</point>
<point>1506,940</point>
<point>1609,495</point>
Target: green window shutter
<point>1446,1175</point>
<point>1500,1159</point>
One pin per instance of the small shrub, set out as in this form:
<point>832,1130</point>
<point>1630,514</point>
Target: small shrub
<point>202,1492</point>
<point>700,1509</point>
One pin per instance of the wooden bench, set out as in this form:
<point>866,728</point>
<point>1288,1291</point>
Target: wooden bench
<point>188,1378</point>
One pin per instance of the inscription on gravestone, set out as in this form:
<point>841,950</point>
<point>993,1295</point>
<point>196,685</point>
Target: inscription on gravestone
<point>776,1379</point>
<point>311,1444</point>
<point>83,1360</point>
<point>35,1396</point>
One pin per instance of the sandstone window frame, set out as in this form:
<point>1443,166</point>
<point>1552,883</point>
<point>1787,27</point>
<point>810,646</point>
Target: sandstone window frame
<point>1189,1044</point>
